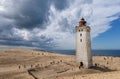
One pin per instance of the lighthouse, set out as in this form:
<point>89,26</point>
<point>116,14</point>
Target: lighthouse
<point>83,45</point>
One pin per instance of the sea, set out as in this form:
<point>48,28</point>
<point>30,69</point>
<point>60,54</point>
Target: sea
<point>115,53</point>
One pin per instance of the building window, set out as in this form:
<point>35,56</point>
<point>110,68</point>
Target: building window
<point>80,40</point>
<point>79,30</point>
<point>80,34</point>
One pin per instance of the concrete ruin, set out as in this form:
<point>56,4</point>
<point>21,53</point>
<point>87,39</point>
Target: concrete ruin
<point>83,45</point>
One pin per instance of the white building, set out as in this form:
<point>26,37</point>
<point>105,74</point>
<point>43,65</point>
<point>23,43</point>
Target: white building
<point>83,45</point>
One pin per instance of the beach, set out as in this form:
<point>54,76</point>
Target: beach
<point>32,64</point>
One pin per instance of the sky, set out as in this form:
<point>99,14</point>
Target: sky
<point>50,24</point>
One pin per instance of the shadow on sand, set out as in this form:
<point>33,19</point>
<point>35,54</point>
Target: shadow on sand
<point>102,69</point>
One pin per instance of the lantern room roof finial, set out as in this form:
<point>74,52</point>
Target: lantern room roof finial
<point>82,22</point>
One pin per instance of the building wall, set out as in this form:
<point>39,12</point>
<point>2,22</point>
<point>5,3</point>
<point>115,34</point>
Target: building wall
<point>83,46</point>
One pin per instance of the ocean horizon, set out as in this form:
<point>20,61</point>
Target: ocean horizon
<point>101,52</point>
<point>115,53</point>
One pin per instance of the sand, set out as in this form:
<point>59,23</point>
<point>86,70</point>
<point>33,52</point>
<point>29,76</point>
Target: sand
<point>31,64</point>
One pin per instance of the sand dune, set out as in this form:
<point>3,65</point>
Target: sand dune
<point>31,64</point>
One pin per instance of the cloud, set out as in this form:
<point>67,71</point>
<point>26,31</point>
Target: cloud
<point>99,16</point>
<point>60,4</point>
<point>27,14</point>
<point>104,12</point>
<point>51,23</point>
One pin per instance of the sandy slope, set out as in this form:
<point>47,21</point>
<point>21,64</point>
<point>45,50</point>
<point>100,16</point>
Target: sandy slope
<point>15,64</point>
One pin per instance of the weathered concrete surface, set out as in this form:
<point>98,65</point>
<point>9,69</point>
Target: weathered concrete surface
<point>83,46</point>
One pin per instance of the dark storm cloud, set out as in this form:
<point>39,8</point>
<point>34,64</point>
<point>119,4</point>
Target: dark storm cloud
<point>27,14</point>
<point>33,13</point>
<point>42,42</point>
<point>7,37</point>
<point>60,4</point>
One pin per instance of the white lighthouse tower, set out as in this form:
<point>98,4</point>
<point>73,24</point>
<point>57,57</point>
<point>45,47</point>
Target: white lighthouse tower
<point>83,45</point>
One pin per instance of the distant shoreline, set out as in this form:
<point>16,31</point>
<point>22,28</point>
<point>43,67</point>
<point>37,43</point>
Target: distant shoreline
<point>113,53</point>
<point>95,52</point>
